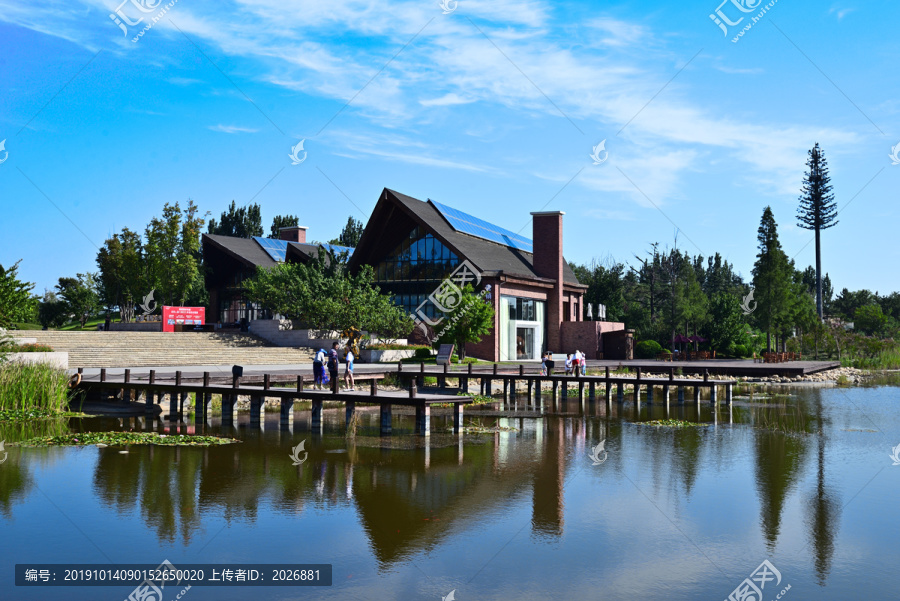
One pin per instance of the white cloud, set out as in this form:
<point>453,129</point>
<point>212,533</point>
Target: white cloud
<point>446,100</point>
<point>232,129</point>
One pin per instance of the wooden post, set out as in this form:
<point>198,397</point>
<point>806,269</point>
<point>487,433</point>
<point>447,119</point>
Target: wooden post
<point>538,384</point>
<point>256,402</point>
<point>373,387</point>
<point>126,392</point>
<point>299,383</point>
<point>530,386</point>
<point>680,394</point>
<point>521,369</point>
<point>713,394</point>
<point>349,410</point>
<point>506,389</point>
<point>335,383</point>
<point>443,378</point>
<point>592,392</point>
<point>201,400</point>
<point>423,419</point>
<point>665,393</point>
<point>103,374</point>
<point>266,381</point>
<point>495,369</point>
<point>286,418</point>
<point>386,418</point>
<point>620,393</point>
<point>696,395</point>
<point>728,393</point>
<point>173,398</point>
<point>316,417</point>
<point>412,388</point>
<point>706,375</point>
<point>149,398</point>
<point>457,417</point>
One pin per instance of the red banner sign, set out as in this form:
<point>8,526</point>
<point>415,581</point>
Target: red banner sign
<point>182,316</point>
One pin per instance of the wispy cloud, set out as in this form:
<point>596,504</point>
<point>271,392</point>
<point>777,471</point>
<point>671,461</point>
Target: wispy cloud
<point>232,129</point>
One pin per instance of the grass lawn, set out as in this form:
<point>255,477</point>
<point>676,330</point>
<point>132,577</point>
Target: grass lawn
<point>90,324</point>
<point>28,326</point>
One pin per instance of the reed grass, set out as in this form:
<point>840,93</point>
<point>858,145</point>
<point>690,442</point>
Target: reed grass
<point>41,387</point>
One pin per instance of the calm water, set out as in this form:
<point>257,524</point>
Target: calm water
<point>805,481</point>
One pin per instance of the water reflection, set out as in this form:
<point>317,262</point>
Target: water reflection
<point>411,501</point>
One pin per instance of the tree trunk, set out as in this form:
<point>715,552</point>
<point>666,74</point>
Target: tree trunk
<point>818,276</point>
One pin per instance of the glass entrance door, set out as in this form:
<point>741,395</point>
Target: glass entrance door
<point>525,347</point>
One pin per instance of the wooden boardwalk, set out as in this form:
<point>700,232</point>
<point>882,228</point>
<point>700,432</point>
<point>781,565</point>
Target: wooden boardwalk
<point>204,389</point>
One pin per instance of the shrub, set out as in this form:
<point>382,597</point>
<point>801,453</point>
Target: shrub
<point>647,349</point>
<point>740,350</point>
<point>423,353</point>
<point>30,348</point>
<point>384,346</point>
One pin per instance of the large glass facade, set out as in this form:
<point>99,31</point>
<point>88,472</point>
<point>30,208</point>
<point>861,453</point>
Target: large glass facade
<point>522,327</point>
<point>415,269</point>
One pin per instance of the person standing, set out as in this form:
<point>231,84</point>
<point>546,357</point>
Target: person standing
<point>333,366</point>
<point>349,384</point>
<point>319,369</point>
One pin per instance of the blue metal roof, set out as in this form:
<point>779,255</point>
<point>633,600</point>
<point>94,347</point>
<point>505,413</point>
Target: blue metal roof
<point>469,224</point>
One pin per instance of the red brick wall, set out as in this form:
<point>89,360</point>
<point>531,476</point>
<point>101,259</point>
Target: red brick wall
<point>293,234</point>
<point>589,337</point>
<point>548,263</point>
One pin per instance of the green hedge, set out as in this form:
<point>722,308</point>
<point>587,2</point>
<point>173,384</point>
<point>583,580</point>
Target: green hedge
<point>647,349</point>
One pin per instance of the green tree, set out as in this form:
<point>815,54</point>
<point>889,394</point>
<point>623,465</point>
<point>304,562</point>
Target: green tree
<point>472,319</point>
<point>172,253</point>
<point>80,296</point>
<point>771,278</point>
<point>848,302</point>
<point>351,233</point>
<point>281,221</point>
<point>121,278</point>
<point>243,222</point>
<point>321,294</point>
<point>726,322</point>
<point>52,313</point>
<point>817,210</point>
<point>870,320</point>
<point>17,304</point>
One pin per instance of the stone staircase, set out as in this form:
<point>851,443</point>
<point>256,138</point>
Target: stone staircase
<point>159,349</point>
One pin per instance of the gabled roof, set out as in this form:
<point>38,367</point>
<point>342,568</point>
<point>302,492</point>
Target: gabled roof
<point>245,250</point>
<point>487,256</point>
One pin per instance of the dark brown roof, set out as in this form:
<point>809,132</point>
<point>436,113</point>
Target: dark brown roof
<point>245,250</point>
<point>485,255</point>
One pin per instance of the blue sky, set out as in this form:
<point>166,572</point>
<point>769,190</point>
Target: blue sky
<point>492,108</point>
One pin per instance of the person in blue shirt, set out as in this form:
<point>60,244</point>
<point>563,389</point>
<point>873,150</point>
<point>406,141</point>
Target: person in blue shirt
<point>319,369</point>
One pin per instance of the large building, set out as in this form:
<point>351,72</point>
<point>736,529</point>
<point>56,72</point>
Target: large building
<point>423,252</point>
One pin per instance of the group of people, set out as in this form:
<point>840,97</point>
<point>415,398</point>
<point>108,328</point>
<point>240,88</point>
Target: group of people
<point>331,361</point>
<point>575,363</point>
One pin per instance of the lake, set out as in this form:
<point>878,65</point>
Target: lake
<point>800,477</point>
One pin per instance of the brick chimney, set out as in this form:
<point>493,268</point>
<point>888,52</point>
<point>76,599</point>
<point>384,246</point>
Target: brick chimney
<point>548,263</point>
<point>293,233</point>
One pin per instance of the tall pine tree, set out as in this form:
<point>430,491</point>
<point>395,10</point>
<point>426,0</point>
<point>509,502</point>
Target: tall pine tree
<point>817,210</point>
<point>772,275</point>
